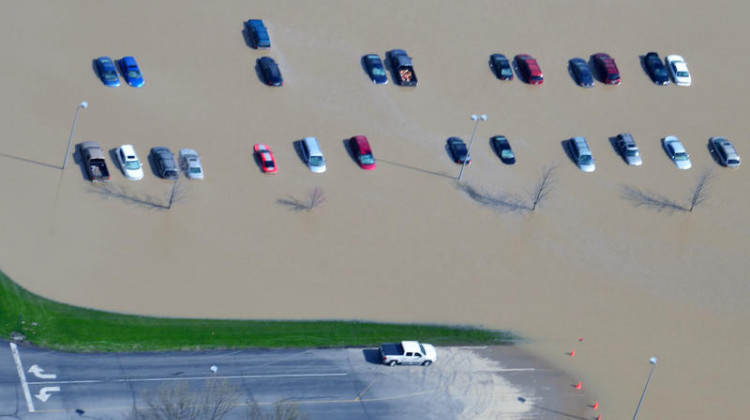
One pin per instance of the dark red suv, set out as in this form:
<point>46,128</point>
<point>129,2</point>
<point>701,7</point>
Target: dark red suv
<point>607,69</point>
<point>529,69</point>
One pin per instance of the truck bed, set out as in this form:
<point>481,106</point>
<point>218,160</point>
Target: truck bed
<point>392,349</point>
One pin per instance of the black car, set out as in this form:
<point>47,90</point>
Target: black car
<point>502,148</point>
<point>501,67</point>
<point>581,72</point>
<point>164,163</point>
<point>270,72</point>
<point>375,69</point>
<point>656,69</point>
<point>458,150</point>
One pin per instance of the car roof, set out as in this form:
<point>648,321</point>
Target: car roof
<point>580,141</point>
<point>184,152</point>
<point>128,149</point>
<point>362,142</point>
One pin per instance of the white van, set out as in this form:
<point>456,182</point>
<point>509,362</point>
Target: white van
<point>312,155</point>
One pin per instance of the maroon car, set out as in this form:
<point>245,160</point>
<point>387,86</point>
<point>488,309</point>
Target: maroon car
<point>529,69</point>
<point>607,69</point>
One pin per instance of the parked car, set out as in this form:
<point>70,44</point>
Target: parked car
<point>679,70</point>
<point>270,71</point>
<point>581,72</point>
<point>312,155</point>
<point>458,150</point>
<point>724,151</point>
<point>502,147</point>
<point>628,149</point>
<point>164,163</point>
<point>501,67</point>
<point>105,69</point>
<point>582,154</point>
<point>375,69</point>
<point>93,160</point>
<point>258,34</point>
<point>408,353</point>
<point>129,162</point>
<point>402,68</point>
<point>529,69</point>
<point>656,69</point>
<point>265,158</point>
<point>676,151</point>
<point>362,152</point>
<point>608,71</point>
<point>190,162</point>
<point>131,72</point>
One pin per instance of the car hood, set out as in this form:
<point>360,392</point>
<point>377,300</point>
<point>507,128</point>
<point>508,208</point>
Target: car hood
<point>430,352</point>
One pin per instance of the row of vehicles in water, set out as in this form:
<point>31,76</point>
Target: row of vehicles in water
<point>163,161</point>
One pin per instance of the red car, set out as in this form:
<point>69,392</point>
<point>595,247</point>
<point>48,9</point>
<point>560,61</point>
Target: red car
<point>265,158</point>
<point>607,68</point>
<point>529,69</point>
<point>362,152</point>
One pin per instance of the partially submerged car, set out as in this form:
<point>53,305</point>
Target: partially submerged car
<point>676,151</point>
<point>607,68</point>
<point>265,158</point>
<point>656,69</point>
<point>724,151</point>
<point>582,154</point>
<point>258,34</point>
<point>679,70</point>
<point>129,162</point>
<point>628,149</point>
<point>500,65</point>
<point>581,72</point>
<point>458,150</point>
<point>529,69</point>
<point>191,164</point>
<point>502,147</point>
<point>131,71</point>
<point>375,69</point>
<point>164,163</point>
<point>270,71</point>
<point>105,69</point>
<point>362,152</point>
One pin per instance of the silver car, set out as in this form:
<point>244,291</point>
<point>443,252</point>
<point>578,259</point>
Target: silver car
<point>724,152</point>
<point>582,154</point>
<point>676,151</point>
<point>191,164</point>
<point>628,149</point>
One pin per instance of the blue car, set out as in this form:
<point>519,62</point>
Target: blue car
<point>131,72</point>
<point>106,70</point>
<point>258,34</point>
<point>581,72</point>
<point>375,69</point>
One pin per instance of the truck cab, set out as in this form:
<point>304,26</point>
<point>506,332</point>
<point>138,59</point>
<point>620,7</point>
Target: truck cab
<point>401,67</point>
<point>408,353</point>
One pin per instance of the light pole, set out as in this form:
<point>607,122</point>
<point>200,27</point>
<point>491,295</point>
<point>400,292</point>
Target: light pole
<point>80,106</point>
<point>653,365</point>
<point>476,118</point>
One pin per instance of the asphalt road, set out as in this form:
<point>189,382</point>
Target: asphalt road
<point>324,383</point>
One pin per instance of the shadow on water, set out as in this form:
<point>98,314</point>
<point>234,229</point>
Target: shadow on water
<point>549,410</point>
<point>35,162</point>
<point>414,168</point>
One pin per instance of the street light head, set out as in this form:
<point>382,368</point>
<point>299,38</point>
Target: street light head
<point>483,117</point>
<point>83,104</point>
<point>474,117</point>
<point>652,360</point>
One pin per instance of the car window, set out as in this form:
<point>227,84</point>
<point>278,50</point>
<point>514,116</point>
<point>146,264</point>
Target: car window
<point>316,161</point>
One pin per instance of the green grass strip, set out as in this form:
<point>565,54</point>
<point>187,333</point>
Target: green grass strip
<point>59,326</point>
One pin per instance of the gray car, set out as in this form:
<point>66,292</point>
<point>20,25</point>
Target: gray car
<point>191,164</point>
<point>164,163</point>
<point>628,149</point>
<point>724,152</point>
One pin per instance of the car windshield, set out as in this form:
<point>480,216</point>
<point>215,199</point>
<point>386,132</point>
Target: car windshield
<point>632,152</point>
<point>507,154</point>
<point>378,71</point>
<point>506,72</point>
<point>367,159</point>
<point>682,74</point>
<point>536,77</point>
<point>195,170</point>
<point>585,160</point>
<point>133,164</point>
<point>680,156</point>
<point>134,74</point>
<point>316,161</point>
<point>733,162</point>
<point>268,164</point>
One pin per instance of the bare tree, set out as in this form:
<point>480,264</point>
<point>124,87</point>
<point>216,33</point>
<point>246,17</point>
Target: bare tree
<point>282,410</point>
<point>179,402</point>
<point>315,197</point>
<point>650,199</point>
<point>700,191</point>
<point>499,202</point>
<point>543,187</point>
<point>176,194</point>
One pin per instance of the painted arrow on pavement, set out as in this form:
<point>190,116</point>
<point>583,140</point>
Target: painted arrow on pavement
<point>44,395</point>
<point>37,371</point>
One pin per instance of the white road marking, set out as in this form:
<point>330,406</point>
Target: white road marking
<point>195,378</point>
<point>22,377</point>
<point>37,371</point>
<point>44,393</point>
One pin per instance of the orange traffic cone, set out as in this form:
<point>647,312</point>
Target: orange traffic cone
<point>595,406</point>
<point>599,417</point>
<point>579,385</point>
<point>572,353</point>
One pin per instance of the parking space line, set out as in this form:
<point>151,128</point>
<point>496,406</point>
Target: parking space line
<point>22,377</point>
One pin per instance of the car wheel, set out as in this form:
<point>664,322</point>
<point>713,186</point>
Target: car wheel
<point>426,363</point>
<point>392,363</point>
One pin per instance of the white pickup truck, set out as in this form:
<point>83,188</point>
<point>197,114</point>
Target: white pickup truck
<point>408,353</point>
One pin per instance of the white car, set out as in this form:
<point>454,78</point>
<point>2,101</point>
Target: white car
<point>129,162</point>
<point>676,152</point>
<point>190,162</point>
<point>312,155</point>
<point>582,154</point>
<point>679,70</point>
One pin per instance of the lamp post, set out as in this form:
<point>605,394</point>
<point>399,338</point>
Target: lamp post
<point>80,106</point>
<point>653,365</point>
<point>476,118</point>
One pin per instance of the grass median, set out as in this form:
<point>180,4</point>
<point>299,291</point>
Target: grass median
<point>59,326</point>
